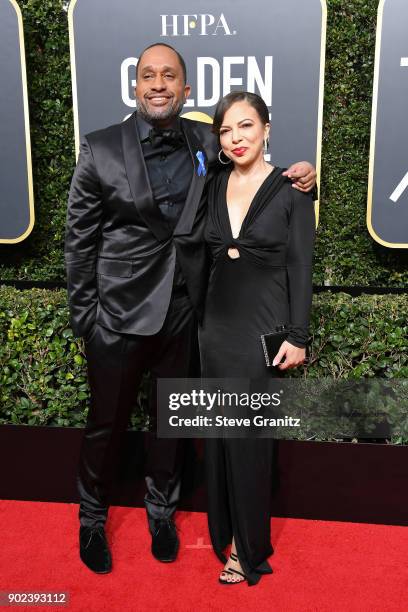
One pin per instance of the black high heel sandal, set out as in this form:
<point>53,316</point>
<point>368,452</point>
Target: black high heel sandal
<point>231,571</point>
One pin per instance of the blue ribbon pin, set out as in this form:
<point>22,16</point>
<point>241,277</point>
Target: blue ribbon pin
<point>201,167</point>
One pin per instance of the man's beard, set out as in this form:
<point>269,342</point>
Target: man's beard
<point>153,116</point>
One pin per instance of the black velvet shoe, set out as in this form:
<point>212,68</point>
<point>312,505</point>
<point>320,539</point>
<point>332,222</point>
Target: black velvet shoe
<point>94,550</point>
<point>165,542</point>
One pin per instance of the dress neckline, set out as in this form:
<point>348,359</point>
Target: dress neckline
<point>225,202</point>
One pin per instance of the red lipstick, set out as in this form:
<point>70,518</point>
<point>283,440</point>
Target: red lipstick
<point>239,152</point>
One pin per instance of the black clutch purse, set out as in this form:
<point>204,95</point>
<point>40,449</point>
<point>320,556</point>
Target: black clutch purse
<point>272,342</point>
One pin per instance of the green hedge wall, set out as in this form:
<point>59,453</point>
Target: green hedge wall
<point>345,253</point>
<point>43,379</point>
<point>40,256</point>
<point>42,367</point>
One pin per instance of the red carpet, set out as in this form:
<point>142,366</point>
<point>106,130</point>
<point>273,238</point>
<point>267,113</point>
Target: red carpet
<point>318,566</point>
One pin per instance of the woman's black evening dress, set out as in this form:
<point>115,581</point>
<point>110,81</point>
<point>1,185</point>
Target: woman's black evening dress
<point>268,285</point>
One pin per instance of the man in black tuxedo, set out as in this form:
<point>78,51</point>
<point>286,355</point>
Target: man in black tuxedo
<point>137,273</point>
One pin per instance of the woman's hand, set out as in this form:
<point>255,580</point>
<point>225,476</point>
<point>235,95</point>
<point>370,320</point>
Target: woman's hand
<point>293,355</point>
<point>303,175</point>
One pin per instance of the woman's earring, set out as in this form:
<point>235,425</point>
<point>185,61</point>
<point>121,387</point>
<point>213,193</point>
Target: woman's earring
<point>220,160</point>
<point>266,145</point>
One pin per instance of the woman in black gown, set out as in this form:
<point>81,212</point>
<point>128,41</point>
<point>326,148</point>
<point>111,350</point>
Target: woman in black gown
<point>260,232</point>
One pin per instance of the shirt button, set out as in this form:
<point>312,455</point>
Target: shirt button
<point>163,157</point>
<point>168,181</point>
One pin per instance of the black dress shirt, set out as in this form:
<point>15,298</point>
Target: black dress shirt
<point>170,171</point>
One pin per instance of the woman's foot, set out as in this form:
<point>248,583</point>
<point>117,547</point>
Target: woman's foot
<point>232,572</point>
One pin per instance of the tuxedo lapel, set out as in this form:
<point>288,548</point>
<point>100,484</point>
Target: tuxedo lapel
<point>200,165</point>
<point>139,181</point>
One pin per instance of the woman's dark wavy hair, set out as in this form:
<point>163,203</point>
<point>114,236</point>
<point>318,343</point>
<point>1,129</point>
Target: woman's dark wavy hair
<point>239,96</point>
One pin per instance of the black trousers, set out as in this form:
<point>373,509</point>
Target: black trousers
<point>116,363</point>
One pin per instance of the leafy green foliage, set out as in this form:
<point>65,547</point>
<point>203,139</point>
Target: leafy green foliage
<point>43,379</point>
<point>365,336</point>
<point>345,253</point>
<point>40,256</point>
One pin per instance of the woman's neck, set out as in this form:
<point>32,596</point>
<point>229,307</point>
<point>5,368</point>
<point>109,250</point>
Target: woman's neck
<point>258,167</point>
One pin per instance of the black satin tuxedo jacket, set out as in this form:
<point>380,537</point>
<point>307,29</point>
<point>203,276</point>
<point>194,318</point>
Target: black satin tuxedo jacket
<point>120,252</point>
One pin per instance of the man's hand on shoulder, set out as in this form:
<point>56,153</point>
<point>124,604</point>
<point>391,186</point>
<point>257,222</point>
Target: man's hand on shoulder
<point>303,175</point>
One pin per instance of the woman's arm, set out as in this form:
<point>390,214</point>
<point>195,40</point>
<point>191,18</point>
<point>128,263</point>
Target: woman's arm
<point>299,262</point>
